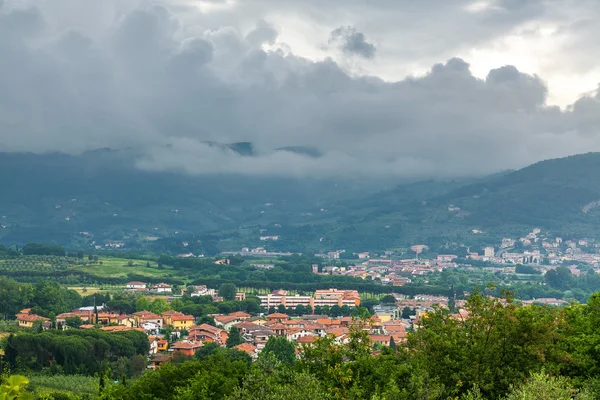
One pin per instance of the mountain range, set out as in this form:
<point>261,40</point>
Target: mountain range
<point>101,196</point>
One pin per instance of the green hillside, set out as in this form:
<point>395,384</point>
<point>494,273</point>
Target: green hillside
<point>557,196</point>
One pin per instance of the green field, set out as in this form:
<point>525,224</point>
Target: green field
<point>121,267</point>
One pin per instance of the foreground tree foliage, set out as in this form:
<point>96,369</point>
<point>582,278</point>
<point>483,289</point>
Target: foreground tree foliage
<point>73,351</point>
<point>494,345</point>
<point>494,349</point>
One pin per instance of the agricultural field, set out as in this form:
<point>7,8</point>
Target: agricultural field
<point>37,264</point>
<point>34,267</point>
<point>87,290</point>
<point>121,267</point>
<point>63,386</point>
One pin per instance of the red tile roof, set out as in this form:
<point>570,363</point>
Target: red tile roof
<point>247,347</point>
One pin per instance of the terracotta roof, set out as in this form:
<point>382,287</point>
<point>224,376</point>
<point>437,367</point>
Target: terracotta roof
<point>205,327</point>
<point>328,321</point>
<point>277,315</point>
<point>186,345</point>
<point>277,327</point>
<point>148,315</point>
<point>31,318</point>
<point>183,318</point>
<point>246,325</point>
<point>306,339</point>
<point>247,347</point>
<point>240,314</point>
<point>380,338</point>
<point>119,328</point>
<point>224,319</point>
<point>171,313</point>
<point>162,358</point>
<point>161,285</point>
<point>136,283</point>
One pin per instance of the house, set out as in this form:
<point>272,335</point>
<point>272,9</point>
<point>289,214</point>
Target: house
<point>105,318</point>
<point>135,286</point>
<point>226,321</point>
<point>153,340</point>
<point>167,316</point>
<point>180,322</point>
<point>445,258</point>
<point>126,320</point>
<point>240,314</point>
<point>306,340</point>
<point>278,317</point>
<point>161,288</point>
<point>160,359</point>
<point>187,347</point>
<point>385,340</point>
<point>86,316</point>
<point>27,320</point>
<point>142,317</point>
<point>162,345</point>
<point>208,333</point>
<point>118,328</point>
<point>247,348</point>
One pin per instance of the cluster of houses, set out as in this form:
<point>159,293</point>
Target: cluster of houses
<point>160,288</point>
<point>387,271</point>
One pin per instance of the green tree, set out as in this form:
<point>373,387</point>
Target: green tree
<point>541,386</point>
<point>388,299</point>
<point>177,304</point>
<point>270,380</point>
<point>142,304</point>
<point>495,347</point>
<point>73,322</point>
<point>159,306</point>
<point>235,337</point>
<point>228,291</point>
<point>560,278</point>
<point>281,348</point>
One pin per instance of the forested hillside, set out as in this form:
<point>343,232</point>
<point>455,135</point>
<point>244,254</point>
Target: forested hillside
<point>102,193</point>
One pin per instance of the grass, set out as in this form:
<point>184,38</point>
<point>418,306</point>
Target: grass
<point>89,290</point>
<point>121,267</point>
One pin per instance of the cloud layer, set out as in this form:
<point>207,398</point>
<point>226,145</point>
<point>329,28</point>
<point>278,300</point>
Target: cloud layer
<point>167,78</point>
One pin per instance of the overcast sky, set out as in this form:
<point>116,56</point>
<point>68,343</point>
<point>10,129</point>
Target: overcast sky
<point>387,88</point>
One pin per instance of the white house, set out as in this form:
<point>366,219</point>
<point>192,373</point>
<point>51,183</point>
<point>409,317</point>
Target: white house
<point>151,328</point>
<point>135,286</point>
<point>161,288</point>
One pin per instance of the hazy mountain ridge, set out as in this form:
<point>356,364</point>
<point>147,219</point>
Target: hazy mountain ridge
<point>56,196</point>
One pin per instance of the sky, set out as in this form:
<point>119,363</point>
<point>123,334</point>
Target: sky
<point>392,88</point>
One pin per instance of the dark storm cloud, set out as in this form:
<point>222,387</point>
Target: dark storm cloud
<point>166,84</point>
<point>352,42</point>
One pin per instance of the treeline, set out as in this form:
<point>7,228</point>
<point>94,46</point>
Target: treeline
<point>43,250</point>
<point>78,352</point>
<point>72,276</point>
<point>500,351</point>
<point>46,298</point>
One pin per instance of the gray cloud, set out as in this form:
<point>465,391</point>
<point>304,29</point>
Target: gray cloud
<point>166,83</point>
<point>352,42</point>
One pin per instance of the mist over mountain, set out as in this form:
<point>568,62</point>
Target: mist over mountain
<point>54,197</point>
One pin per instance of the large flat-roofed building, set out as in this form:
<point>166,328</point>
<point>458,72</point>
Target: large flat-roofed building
<point>327,297</point>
